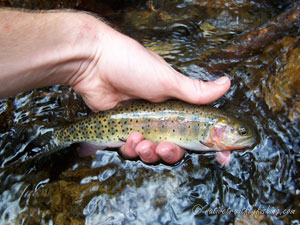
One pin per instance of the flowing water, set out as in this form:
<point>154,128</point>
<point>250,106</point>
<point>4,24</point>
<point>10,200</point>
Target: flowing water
<point>259,186</point>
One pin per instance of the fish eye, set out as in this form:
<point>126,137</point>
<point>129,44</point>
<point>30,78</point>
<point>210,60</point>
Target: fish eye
<point>242,131</point>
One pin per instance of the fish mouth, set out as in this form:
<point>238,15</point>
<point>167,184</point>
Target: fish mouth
<point>241,144</point>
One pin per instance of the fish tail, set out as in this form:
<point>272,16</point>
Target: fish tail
<point>36,135</point>
<point>43,145</point>
<point>43,138</point>
<point>31,162</point>
<point>38,141</point>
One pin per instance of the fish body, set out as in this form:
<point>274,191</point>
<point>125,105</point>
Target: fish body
<point>194,127</point>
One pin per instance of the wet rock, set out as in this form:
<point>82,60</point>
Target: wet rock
<point>274,76</point>
<point>283,88</point>
<point>294,113</point>
<point>6,114</point>
<point>254,218</point>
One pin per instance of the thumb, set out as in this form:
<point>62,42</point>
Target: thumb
<point>199,92</point>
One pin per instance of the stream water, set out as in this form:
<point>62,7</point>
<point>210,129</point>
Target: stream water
<point>259,186</point>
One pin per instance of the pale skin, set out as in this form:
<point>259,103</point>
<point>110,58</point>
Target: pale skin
<point>104,66</point>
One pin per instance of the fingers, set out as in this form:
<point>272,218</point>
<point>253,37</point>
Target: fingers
<point>149,152</point>
<point>128,150</point>
<point>146,151</point>
<point>223,157</point>
<point>197,91</point>
<point>169,152</point>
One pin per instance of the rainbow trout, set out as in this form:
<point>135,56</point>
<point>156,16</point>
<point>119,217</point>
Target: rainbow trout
<point>193,127</point>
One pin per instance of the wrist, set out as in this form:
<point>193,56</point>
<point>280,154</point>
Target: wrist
<point>42,49</point>
<point>81,49</point>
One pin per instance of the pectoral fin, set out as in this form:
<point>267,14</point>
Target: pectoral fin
<point>123,139</point>
<point>209,145</point>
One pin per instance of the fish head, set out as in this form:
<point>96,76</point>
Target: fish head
<point>232,134</point>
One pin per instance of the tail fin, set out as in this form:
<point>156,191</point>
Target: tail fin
<point>43,137</point>
<point>35,142</point>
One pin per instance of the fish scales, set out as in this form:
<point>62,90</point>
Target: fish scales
<point>190,126</point>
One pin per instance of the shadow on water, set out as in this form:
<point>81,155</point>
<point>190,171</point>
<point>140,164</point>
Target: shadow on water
<point>259,186</point>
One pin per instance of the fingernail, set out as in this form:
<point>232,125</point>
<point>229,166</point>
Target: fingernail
<point>169,155</point>
<point>222,80</point>
<point>146,154</point>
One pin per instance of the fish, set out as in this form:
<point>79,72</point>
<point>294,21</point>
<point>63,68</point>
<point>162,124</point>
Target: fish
<point>192,127</point>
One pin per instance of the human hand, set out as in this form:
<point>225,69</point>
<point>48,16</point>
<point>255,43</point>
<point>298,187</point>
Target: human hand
<point>101,64</point>
<point>120,69</point>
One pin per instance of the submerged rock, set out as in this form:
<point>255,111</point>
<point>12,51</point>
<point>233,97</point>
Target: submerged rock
<point>283,88</point>
<point>274,76</point>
